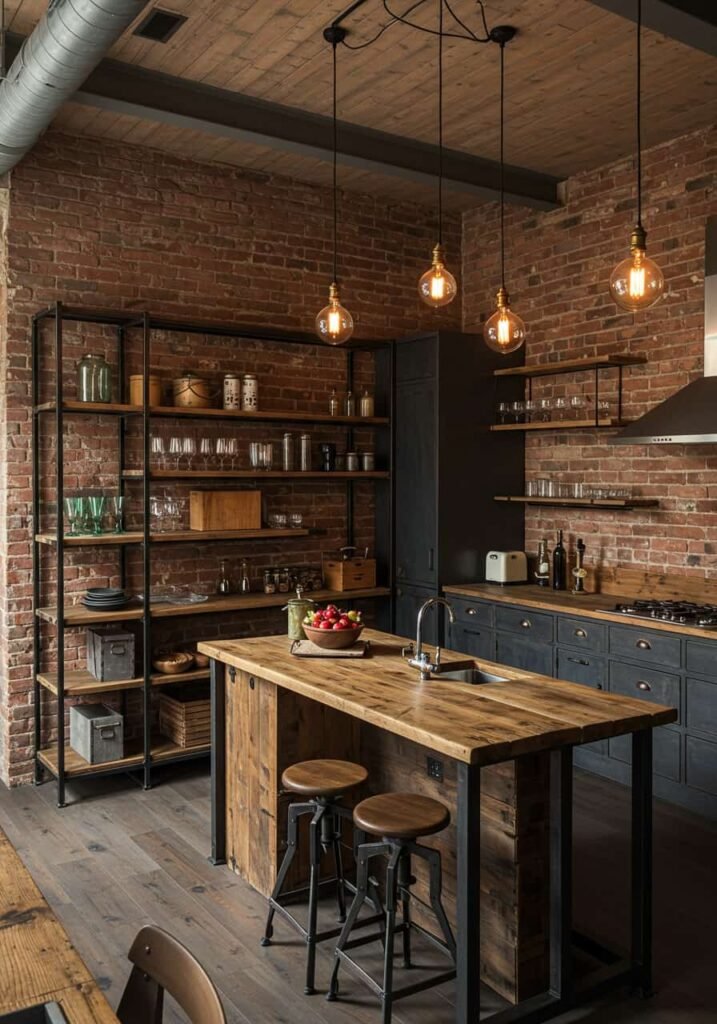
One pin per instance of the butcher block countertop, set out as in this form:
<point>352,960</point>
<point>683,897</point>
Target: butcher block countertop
<point>483,724</point>
<point>589,606</point>
<point>38,963</point>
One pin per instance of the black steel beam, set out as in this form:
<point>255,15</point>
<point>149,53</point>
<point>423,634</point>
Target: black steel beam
<point>165,99</point>
<point>692,22</point>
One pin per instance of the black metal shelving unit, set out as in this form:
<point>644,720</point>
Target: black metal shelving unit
<point>53,761</point>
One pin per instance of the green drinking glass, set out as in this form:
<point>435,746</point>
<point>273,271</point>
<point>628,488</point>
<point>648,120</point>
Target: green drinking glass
<point>75,514</point>
<point>116,513</point>
<point>96,506</point>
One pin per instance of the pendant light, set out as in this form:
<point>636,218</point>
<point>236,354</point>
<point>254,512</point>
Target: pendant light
<point>504,331</point>
<point>437,287</point>
<point>334,324</point>
<point>637,282</point>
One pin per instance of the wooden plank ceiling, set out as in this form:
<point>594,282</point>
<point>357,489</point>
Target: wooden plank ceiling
<point>570,82</point>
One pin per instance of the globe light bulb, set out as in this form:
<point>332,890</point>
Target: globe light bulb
<point>437,287</point>
<point>637,282</point>
<point>504,331</point>
<point>334,324</point>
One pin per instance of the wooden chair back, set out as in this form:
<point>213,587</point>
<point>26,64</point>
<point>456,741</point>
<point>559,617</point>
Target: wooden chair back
<point>163,964</point>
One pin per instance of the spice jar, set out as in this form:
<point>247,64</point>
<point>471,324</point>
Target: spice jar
<point>350,404</point>
<point>232,391</point>
<point>269,584</point>
<point>94,379</point>
<point>368,462</point>
<point>249,393</point>
<point>352,462</point>
<point>366,406</point>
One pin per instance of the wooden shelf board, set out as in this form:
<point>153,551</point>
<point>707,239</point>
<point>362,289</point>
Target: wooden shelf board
<point>606,503</point>
<point>181,537</point>
<point>586,424</point>
<point>254,474</point>
<point>79,682</point>
<point>262,416</point>
<point>78,615</point>
<point>162,749</point>
<point>571,366</point>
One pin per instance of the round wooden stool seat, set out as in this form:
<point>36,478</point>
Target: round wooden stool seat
<point>323,777</point>
<point>401,815</point>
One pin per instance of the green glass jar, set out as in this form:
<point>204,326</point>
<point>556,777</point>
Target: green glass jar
<point>94,379</point>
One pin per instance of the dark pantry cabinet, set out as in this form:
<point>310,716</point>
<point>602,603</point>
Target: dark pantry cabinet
<point>447,468</point>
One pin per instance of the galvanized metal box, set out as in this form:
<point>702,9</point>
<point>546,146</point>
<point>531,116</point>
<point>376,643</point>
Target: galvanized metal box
<point>110,653</point>
<point>96,733</point>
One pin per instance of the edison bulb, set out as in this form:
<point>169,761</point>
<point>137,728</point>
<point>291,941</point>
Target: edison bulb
<point>504,331</point>
<point>334,324</point>
<point>637,282</point>
<point>437,287</point>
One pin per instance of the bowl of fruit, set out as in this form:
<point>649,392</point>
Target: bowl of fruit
<point>332,628</point>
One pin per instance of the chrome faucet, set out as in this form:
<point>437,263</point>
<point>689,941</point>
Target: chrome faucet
<point>420,660</point>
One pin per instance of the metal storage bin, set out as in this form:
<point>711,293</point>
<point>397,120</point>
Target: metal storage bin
<point>110,653</point>
<point>96,733</point>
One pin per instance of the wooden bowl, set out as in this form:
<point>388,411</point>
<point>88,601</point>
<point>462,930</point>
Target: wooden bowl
<point>333,639</point>
<point>201,660</point>
<point>169,664</point>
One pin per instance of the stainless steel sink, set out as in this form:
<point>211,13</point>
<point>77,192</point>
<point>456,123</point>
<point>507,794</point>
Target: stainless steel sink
<point>474,676</point>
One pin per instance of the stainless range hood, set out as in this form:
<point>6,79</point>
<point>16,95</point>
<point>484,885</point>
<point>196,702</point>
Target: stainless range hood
<point>690,416</point>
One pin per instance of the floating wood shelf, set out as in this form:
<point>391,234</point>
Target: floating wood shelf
<point>180,412</point>
<point>179,537</point>
<point>79,682</point>
<point>78,615</point>
<point>162,750</point>
<point>254,474</point>
<point>586,424</point>
<point>607,503</point>
<point>572,366</point>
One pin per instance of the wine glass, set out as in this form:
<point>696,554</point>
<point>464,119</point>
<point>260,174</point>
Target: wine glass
<point>176,449</point>
<point>96,505</point>
<point>231,451</point>
<point>116,512</point>
<point>206,450</point>
<point>578,405</point>
<point>560,406</point>
<point>156,448</point>
<point>530,408</point>
<point>189,450</point>
<point>222,451</point>
<point>546,409</point>
<point>75,512</point>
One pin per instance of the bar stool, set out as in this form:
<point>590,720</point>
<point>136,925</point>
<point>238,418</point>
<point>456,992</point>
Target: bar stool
<point>399,819</point>
<point>323,782</point>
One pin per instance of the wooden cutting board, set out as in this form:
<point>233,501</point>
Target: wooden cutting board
<point>225,510</point>
<point>308,649</point>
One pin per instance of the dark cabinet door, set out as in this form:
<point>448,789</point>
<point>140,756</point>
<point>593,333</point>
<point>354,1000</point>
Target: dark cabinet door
<point>408,603</point>
<point>416,482</point>
<point>478,641</point>
<point>522,653</point>
<point>586,669</point>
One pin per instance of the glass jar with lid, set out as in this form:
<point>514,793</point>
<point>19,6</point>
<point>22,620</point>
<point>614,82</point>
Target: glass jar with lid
<point>366,404</point>
<point>94,379</point>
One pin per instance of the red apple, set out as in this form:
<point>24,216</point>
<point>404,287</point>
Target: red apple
<point>325,625</point>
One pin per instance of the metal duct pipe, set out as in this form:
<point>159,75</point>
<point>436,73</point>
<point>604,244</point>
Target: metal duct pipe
<point>66,45</point>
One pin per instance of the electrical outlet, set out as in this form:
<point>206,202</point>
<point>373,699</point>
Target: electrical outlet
<point>434,769</point>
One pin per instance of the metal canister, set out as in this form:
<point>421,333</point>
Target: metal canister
<point>297,608</point>
<point>352,462</point>
<point>288,449</point>
<point>232,391</point>
<point>249,393</point>
<point>305,453</point>
<point>368,462</point>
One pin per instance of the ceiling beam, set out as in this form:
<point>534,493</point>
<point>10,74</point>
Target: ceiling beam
<point>692,22</point>
<point>164,99</point>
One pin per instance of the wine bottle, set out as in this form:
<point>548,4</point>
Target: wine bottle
<point>559,564</point>
<point>542,573</point>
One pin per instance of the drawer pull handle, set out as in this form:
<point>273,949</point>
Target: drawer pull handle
<point>579,661</point>
<point>525,623</point>
<point>471,611</point>
<point>644,645</point>
<point>599,686</point>
<point>581,633</point>
<point>642,685</point>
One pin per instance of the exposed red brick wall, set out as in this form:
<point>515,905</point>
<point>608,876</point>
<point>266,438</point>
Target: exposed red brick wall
<point>95,223</point>
<point>558,267</point>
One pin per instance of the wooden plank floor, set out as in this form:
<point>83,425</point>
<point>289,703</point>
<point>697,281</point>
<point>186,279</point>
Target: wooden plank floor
<point>121,858</point>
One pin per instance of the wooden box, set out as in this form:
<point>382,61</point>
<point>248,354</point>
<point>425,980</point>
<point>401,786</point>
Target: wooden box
<point>225,510</point>
<point>184,714</point>
<point>349,573</point>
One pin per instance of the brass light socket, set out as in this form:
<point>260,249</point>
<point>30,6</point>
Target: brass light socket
<point>638,239</point>
<point>439,255</point>
<point>502,299</point>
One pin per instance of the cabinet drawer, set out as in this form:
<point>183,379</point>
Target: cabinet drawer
<point>579,667</point>
<point>472,612</point>
<point>536,625</point>
<point>473,640</point>
<point>701,658</point>
<point>665,752</point>
<point>645,645</point>
<point>585,634</point>
<point>701,706</point>
<point>645,683</point>
<point>701,765</point>
<point>522,652</point>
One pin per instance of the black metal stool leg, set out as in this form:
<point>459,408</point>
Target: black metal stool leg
<point>404,883</point>
<point>315,856</point>
<point>435,896</point>
<point>357,903</point>
<point>340,889</point>
<point>391,901</point>
<point>295,812</point>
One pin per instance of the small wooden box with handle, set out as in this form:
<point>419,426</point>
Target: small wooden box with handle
<point>344,570</point>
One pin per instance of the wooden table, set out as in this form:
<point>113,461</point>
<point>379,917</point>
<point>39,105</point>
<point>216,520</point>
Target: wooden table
<point>38,963</point>
<point>475,727</point>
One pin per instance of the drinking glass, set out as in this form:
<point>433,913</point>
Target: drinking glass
<point>578,405</point>
<point>116,512</point>
<point>296,520</point>
<point>545,405</point>
<point>261,454</point>
<point>531,488</point>
<point>560,407</point>
<point>603,409</point>
<point>176,450</point>
<point>503,411</point>
<point>96,507</point>
<point>206,450</point>
<point>518,411</point>
<point>156,447</point>
<point>75,512</point>
<point>232,451</point>
<point>530,409</point>
<point>277,521</point>
<point>189,450</point>
<point>156,514</point>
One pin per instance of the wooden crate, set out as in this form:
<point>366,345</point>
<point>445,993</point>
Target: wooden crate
<point>349,573</point>
<point>225,510</point>
<point>184,715</point>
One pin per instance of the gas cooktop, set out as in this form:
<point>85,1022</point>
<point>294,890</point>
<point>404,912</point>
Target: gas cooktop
<point>682,613</point>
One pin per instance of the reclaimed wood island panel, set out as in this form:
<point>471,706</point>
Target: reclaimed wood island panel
<point>273,709</point>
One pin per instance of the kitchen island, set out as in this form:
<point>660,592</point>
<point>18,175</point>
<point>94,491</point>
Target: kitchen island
<point>500,758</point>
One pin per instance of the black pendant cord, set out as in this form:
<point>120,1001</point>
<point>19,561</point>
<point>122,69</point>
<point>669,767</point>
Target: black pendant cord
<point>440,122</point>
<point>502,163</point>
<point>638,117</point>
<point>334,171</point>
